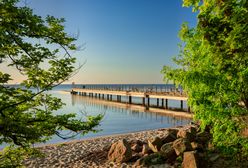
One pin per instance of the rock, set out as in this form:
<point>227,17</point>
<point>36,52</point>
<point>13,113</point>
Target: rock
<point>181,145</point>
<point>135,157</point>
<point>136,148</point>
<point>152,159</point>
<point>161,166</point>
<point>186,133</point>
<point>173,131</point>
<point>190,160</point>
<point>168,152</point>
<point>196,146</point>
<point>139,162</point>
<point>155,144</point>
<point>192,129</point>
<point>135,141</point>
<point>146,149</point>
<point>169,137</point>
<point>203,137</point>
<point>124,165</point>
<point>214,157</point>
<point>120,151</point>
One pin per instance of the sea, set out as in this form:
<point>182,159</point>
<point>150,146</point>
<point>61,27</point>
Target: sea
<point>119,118</point>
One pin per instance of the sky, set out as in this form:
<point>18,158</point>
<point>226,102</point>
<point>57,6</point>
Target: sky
<point>125,41</point>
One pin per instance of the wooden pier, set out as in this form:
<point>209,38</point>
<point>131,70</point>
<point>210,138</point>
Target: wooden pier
<point>161,97</point>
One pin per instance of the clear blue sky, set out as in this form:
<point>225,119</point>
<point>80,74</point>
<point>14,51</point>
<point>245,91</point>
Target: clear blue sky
<point>127,41</point>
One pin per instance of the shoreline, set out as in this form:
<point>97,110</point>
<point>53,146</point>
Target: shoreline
<point>90,152</point>
<point>104,136</point>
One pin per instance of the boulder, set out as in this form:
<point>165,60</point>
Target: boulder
<point>135,157</point>
<point>190,160</point>
<point>146,149</point>
<point>186,133</point>
<point>193,129</point>
<point>173,131</point>
<point>161,166</point>
<point>120,151</point>
<point>152,159</point>
<point>168,152</point>
<point>155,144</point>
<point>196,146</point>
<point>135,141</point>
<point>123,165</point>
<point>181,145</point>
<point>168,137</point>
<point>214,157</point>
<point>136,148</point>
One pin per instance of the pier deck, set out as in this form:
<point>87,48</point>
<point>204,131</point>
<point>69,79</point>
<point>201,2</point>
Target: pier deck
<point>108,94</point>
<point>159,95</point>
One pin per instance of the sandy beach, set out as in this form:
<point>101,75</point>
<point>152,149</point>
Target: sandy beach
<point>90,153</point>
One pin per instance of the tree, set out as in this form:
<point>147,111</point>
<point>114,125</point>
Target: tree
<point>40,50</point>
<point>213,70</point>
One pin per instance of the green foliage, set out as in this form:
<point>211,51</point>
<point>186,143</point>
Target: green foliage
<point>213,69</point>
<point>8,156</point>
<point>40,50</point>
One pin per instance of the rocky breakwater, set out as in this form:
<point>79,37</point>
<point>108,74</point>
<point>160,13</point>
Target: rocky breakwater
<point>178,147</point>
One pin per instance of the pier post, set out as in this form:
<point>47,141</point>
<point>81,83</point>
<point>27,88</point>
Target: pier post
<point>162,103</point>
<point>99,95</point>
<point>102,96</point>
<point>148,101</point>
<point>166,103</point>
<point>157,102</point>
<point>130,99</point>
<point>143,100</point>
<point>181,104</point>
<point>107,96</point>
<point>118,98</point>
<point>111,97</point>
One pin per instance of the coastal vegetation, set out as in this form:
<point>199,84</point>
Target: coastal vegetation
<point>39,49</point>
<point>213,71</point>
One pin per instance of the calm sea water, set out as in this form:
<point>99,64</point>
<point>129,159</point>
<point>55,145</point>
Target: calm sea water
<point>117,118</point>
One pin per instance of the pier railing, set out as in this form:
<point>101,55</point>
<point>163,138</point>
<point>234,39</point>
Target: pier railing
<point>159,89</point>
